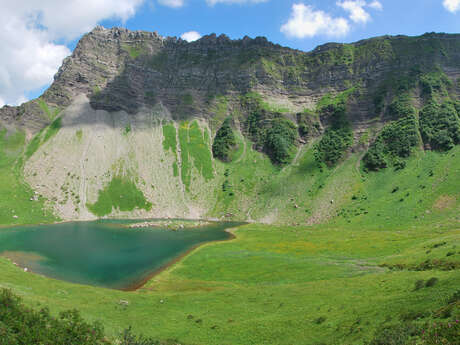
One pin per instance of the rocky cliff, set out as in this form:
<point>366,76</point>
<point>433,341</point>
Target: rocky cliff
<point>127,128</point>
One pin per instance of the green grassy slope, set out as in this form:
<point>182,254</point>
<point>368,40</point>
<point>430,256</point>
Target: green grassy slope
<point>273,285</point>
<point>15,204</point>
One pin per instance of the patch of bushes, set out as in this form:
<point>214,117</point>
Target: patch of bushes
<point>446,332</point>
<point>401,107</point>
<point>22,325</point>
<point>434,83</point>
<point>224,142</point>
<point>308,123</point>
<point>419,284</point>
<point>338,137</point>
<point>280,139</point>
<point>440,125</point>
<point>395,141</point>
<point>427,265</point>
<point>269,130</point>
<point>431,282</point>
<point>395,334</point>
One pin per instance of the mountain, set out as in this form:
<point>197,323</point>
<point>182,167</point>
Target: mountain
<point>139,125</point>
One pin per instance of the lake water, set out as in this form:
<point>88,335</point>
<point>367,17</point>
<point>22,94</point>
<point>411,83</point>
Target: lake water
<point>102,253</point>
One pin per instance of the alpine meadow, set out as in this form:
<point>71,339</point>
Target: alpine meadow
<point>335,174</point>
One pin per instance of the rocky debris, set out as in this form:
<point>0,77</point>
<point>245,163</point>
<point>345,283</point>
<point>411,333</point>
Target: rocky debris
<point>170,224</point>
<point>123,302</point>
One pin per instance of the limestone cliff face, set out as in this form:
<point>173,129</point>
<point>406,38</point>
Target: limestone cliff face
<point>118,69</point>
<point>105,117</point>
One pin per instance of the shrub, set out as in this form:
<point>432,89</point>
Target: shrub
<point>394,334</point>
<point>440,125</point>
<point>127,338</point>
<point>280,140</point>
<point>431,282</point>
<point>224,142</point>
<point>21,325</point>
<point>269,130</point>
<point>337,138</point>
<point>320,320</point>
<point>401,107</point>
<point>419,284</point>
<point>447,332</point>
<point>395,141</point>
<point>455,297</point>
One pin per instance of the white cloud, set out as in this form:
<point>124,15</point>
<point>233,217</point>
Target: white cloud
<point>307,22</point>
<point>213,2</point>
<point>376,5</point>
<point>190,36</point>
<point>172,3</point>
<point>452,5</point>
<point>356,11</point>
<point>29,30</point>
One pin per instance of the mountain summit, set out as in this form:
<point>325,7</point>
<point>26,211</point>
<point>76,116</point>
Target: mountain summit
<point>140,125</point>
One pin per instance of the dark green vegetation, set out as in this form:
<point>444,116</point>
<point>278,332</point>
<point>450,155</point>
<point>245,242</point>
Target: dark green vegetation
<point>269,130</point>
<point>440,125</point>
<point>437,124</point>
<point>121,194</point>
<point>338,137</point>
<point>395,141</point>
<point>224,142</point>
<point>22,325</point>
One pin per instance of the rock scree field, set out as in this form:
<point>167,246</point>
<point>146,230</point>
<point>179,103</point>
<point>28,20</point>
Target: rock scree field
<point>343,163</point>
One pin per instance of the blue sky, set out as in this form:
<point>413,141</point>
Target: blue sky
<point>408,17</point>
<point>37,35</point>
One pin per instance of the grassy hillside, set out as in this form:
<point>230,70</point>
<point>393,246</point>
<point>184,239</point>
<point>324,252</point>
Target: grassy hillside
<point>283,285</point>
<point>18,202</point>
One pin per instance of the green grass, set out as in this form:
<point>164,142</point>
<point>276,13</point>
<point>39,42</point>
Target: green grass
<point>185,162</point>
<point>15,194</point>
<point>52,113</point>
<point>170,143</point>
<point>79,134</point>
<point>42,137</point>
<point>195,152</point>
<point>134,51</point>
<point>426,190</point>
<point>270,285</point>
<point>169,138</point>
<point>120,194</point>
<point>330,283</point>
<point>52,129</point>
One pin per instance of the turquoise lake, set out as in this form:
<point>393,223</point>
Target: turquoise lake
<point>102,253</point>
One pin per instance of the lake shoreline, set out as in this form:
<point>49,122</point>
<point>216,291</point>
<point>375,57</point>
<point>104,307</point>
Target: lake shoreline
<point>138,285</point>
